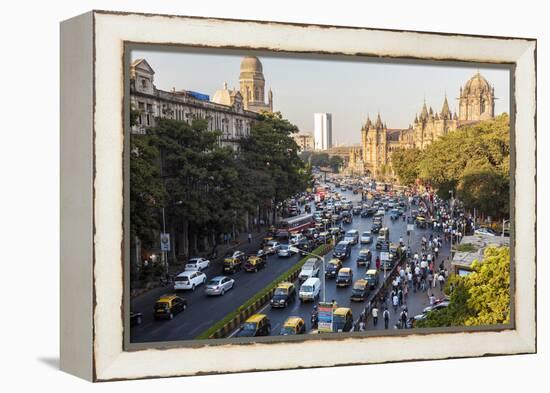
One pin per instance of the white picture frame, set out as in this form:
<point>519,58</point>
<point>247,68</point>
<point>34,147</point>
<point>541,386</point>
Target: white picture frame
<point>92,195</point>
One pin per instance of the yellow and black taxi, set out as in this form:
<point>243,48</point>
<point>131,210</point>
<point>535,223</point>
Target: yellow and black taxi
<point>333,267</point>
<point>372,278</point>
<point>342,320</point>
<point>344,277</point>
<point>255,262</point>
<point>293,325</point>
<point>284,294</point>
<point>256,325</point>
<point>233,262</point>
<point>360,290</point>
<point>167,306</point>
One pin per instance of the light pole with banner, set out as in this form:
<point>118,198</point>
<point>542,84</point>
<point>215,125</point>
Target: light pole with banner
<point>164,243</point>
<point>384,257</point>
<point>322,259</point>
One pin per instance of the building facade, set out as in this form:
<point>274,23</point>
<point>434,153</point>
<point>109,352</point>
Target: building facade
<point>378,142</point>
<point>322,133</point>
<point>252,86</point>
<point>304,141</point>
<point>229,111</point>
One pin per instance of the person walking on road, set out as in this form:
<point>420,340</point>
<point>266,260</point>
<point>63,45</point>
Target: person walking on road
<point>249,238</point>
<point>441,280</point>
<point>386,316</point>
<point>375,316</point>
<point>395,302</point>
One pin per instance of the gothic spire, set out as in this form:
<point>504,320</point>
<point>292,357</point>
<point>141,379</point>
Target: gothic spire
<point>378,121</point>
<point>368,124</point>
<point>424,113</point>
<point>445,111</point>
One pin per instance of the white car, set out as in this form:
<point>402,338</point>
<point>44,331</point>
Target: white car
<point>296,237</point>
<point>485,231</point>
<point>285,250</point>
<point>189,280</point>
<point>197,264</point>
<point>366,237</point>
<point>272,247</point>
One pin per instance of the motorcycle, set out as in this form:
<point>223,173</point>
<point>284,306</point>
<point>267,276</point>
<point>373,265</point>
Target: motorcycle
<point>314,320</point>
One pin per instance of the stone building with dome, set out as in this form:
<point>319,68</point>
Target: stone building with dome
<point>230,111</point>
<point>378,142</point>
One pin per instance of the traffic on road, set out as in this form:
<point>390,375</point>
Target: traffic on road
<point>380,235</point>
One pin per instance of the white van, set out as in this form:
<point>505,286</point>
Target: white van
<point>310,289</point>
<point>310,269</point>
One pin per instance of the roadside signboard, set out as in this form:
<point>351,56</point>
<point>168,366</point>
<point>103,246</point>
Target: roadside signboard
<point>165,242</point>
<point>325,317</point>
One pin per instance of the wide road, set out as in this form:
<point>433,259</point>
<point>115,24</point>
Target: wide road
<point>398,228</point>
<point>203,311</point>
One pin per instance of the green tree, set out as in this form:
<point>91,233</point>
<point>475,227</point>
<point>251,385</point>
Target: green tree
<point>405,164</point>
<point>270,153</point>
<point>320,159</point>
<point>147,193</point>
<point>197,175</point>
<point>480,298</point>
<point>335,163</point>
<point>460,159</point>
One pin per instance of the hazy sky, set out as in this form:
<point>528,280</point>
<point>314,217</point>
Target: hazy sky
<point>349,89</point>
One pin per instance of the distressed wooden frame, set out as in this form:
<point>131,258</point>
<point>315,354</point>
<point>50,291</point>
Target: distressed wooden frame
<point>92,195</point>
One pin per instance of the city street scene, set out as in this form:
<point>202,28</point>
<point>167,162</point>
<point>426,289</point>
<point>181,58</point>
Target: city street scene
<point>277,196</point>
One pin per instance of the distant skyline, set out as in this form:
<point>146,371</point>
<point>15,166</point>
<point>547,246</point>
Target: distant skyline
<point>349,89</point>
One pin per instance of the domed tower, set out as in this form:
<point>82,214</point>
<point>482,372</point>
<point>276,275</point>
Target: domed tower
<point>252,85</point>
<point>477,100</point>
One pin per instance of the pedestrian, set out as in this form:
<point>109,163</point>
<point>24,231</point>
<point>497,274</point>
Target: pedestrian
<point>249,238</point>
<point>375,316</point>
<point>430,279</point>
<point>395,302</point>
<point>441,280</point>
<point>386,316</point>
<point>432,299</point>
<point>377,263</point>
<point>403,319</point>
<point>400,296</point>
<point>361,326</point>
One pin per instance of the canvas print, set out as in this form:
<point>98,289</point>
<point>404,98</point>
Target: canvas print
<point>289,195</point>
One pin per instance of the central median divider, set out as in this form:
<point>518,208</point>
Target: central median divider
<point>234,319</point>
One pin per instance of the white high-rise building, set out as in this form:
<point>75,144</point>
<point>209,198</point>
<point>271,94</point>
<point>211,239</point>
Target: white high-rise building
<point>322,133</point>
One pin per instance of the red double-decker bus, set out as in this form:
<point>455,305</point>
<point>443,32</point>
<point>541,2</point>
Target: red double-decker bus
<point>294,224</point>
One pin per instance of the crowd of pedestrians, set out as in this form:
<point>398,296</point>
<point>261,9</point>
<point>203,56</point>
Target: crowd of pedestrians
<point>423,270</point>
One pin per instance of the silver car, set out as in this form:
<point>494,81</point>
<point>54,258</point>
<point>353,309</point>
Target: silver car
<point>219,285</point>
<point>285,251</point>
<point>366,237</point>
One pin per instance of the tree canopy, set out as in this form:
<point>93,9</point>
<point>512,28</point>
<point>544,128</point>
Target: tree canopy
<point>473,161</point>
<point>208,188</point>
<point>480,298</point>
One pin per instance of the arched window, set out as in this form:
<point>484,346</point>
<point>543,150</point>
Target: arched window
<point>144,83</point>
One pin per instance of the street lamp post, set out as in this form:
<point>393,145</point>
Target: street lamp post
<point>452,216</point>
<point>322,259</point>
<point>164,257</point>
